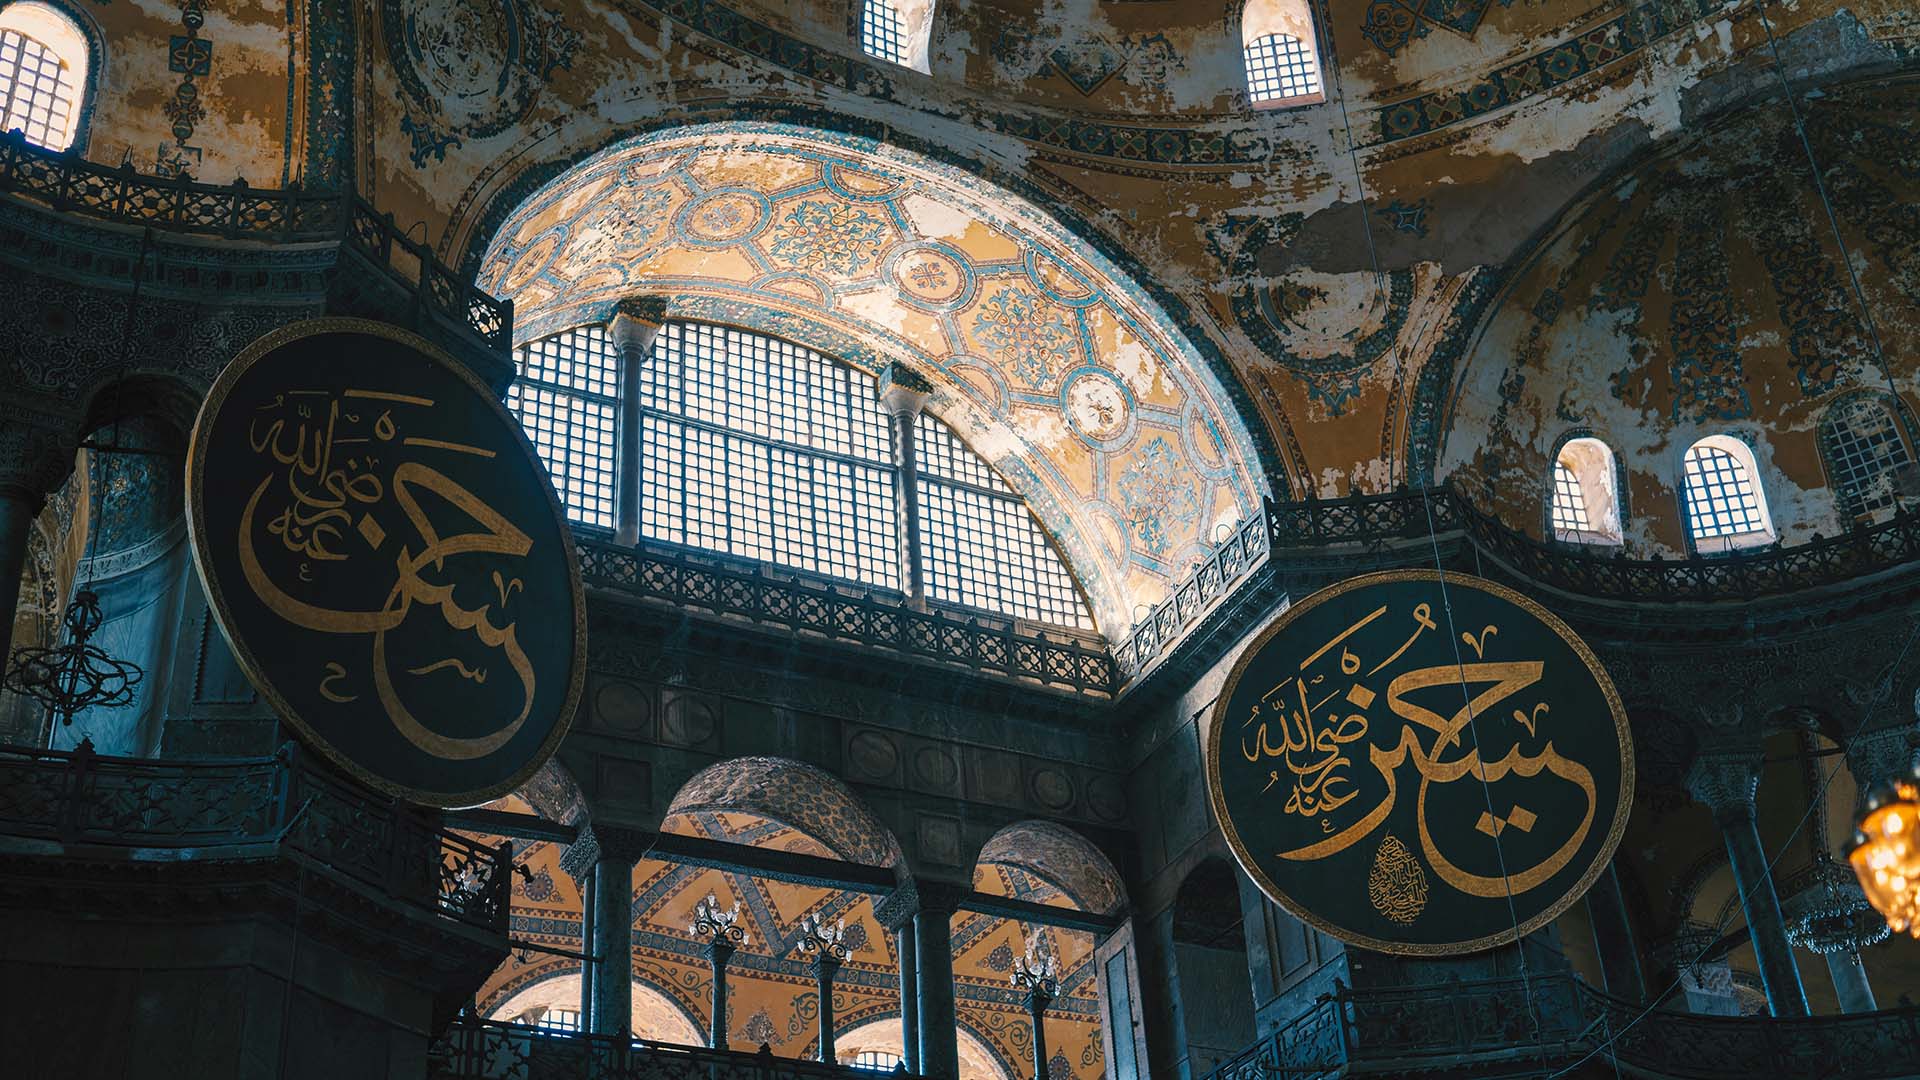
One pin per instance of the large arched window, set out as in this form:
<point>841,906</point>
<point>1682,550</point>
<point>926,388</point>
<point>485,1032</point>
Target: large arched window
<point>1584,503</point>
<point>897,31</point>
<point>759,448</point>
<point>1726,508</point>
<point>43,73</point>
<point>1283,61</point>
<point>1864,446</point>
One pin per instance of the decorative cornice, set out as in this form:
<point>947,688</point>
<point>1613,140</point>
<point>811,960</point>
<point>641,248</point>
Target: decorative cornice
<point>1724,781</point>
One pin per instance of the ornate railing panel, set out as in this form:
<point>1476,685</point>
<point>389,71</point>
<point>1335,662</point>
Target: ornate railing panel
<point>1318,529</point>
<point>202,807</point>
<point>71,184</point>
<point>1557,1020</point>
<point>867,619</point>
<point>485,1050</point>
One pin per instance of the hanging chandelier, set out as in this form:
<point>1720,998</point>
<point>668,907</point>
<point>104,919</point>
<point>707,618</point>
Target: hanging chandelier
<point>1885,853</point>
<point>1830,913</point>
<point>78,675</point>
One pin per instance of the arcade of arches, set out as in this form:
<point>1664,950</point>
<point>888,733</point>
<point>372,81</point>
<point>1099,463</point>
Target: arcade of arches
<point>940,395</point>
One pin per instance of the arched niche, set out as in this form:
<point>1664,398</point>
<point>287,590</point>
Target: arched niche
<point>793,794</point>
<point>656,1015</point>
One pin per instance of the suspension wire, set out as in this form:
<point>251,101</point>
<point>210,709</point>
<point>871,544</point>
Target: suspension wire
<point>1366,230</point>
<point>1486,789</point>
<point>1400,358</point>
<point>1818,798</point>
<point>119,388</point>
<point>1826,202</point>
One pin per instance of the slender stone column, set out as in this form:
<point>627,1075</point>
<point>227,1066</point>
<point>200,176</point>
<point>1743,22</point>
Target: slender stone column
<point>823,968</point>
<point>1850,983</point>
<point>909,1003</point>
<point>904,393</point>
<point>635,324</point>
<point>925,910</point>
<point>611,853</point>
<point>1613,938</point>
<point>1725,783</point>
<point>719,952</point>
<point>18,508</point>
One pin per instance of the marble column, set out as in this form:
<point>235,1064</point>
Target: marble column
<point>909,1006</point>
<point>824,967</point>
<point>635,324</point>
<point>924,911</point>
<point>1725,782</point>
<point>18,507</point>
<point>719,953</point>
<point>904,393</point>
<point>1850,985</point>
<point>1613,938</point>
<point>610,853</point>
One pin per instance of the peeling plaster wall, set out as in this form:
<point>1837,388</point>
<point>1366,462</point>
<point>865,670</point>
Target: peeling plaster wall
<point>1333,260</point>
<point>1703,294</point>
<point>236,61</point>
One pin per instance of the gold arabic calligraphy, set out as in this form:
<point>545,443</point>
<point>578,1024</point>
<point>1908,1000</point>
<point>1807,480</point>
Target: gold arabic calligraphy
<point>328,455</point>
<point>1322,711</point>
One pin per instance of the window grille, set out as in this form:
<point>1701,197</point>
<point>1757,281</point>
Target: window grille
<point>1721,500</point>
<point>1569,502</point>
<point>1865,447</point>
<point>1281,67</point>
<point>36,91</point>
<point>560,1020</point>
<point>882,1060</point>
<point>882,33</point>
<point>567,400</point>
<point>756,447</point>
<point>982,547</point>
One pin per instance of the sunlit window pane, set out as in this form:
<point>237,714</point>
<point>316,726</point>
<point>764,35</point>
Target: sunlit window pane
<point>1720,497</point>
<point>37,91</point>
<point>565,398</point>
<point>883,35</point>
<point>1569,503</point>
<point>1280,66</point>
<point>1865,448</point>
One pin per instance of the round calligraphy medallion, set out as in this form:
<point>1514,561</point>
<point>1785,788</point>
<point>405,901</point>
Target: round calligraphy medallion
<point>1415,783</point>
<point>388,560</point>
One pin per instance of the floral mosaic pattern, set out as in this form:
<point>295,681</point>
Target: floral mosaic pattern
<point>1029,335</point>
<point>1158,506</point>
<point>831,237</point>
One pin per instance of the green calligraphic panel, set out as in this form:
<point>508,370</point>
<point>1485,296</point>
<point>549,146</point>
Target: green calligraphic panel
<point>388,560</point>
<point>1420,765</point>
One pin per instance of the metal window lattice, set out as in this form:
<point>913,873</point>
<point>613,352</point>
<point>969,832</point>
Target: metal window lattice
<point>882,34</point>
<point>756,447</point>
<point>760,448</point>
<point>36,91</point>
<point>566,399</point>
<point>980,545</point>
<point>1865,447</point>
<point>1569,502</point>
<point>1279,67</point>
<point>1721,500</point>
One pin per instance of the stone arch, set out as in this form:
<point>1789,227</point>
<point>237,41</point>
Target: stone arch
<point>882,1032</point>
<point>1044,353</point>
<point>1060,857</point>
<point>795,794</point>
<point>554,794</point>
<point>657,1015</point>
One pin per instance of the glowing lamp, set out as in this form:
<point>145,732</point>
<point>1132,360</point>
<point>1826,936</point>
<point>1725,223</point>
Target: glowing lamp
<point>1885,853</point>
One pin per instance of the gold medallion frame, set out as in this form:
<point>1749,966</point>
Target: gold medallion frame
<point>1217,799</point>
<point>244,655</point>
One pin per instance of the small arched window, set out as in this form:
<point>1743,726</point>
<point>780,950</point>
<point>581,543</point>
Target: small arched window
<point>1584,507</point>
<point>1865,446</point>
<point>1283,60</point>
<point>897,31</point>
<point>1726,508</point>
<point>43,73</point>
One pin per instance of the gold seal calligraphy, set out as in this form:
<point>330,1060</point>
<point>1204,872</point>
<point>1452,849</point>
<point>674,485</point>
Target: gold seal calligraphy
<point>1420,764</point>
<point>387,558</point>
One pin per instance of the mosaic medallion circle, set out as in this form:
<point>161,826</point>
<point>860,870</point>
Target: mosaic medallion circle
<point>931,276</point>
<point>1097,404</point>
<point>724,217</point>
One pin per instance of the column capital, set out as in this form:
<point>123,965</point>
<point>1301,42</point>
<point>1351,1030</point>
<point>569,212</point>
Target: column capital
<point>1724,781</point>
<point>913,896</point>
<point>603,843</point>
<point>636,320</point>
<point>1880,754</point>
<point>903,391</point>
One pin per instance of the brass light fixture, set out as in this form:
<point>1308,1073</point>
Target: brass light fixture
<point>1885,852</point>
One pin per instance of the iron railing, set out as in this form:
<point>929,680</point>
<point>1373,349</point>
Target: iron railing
<point>1556,1020</point>
<point>1311,531</point>
<point>885,621</point>
<point>473,1049</point>
<point>69,183</point>
<point>212,809</point>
